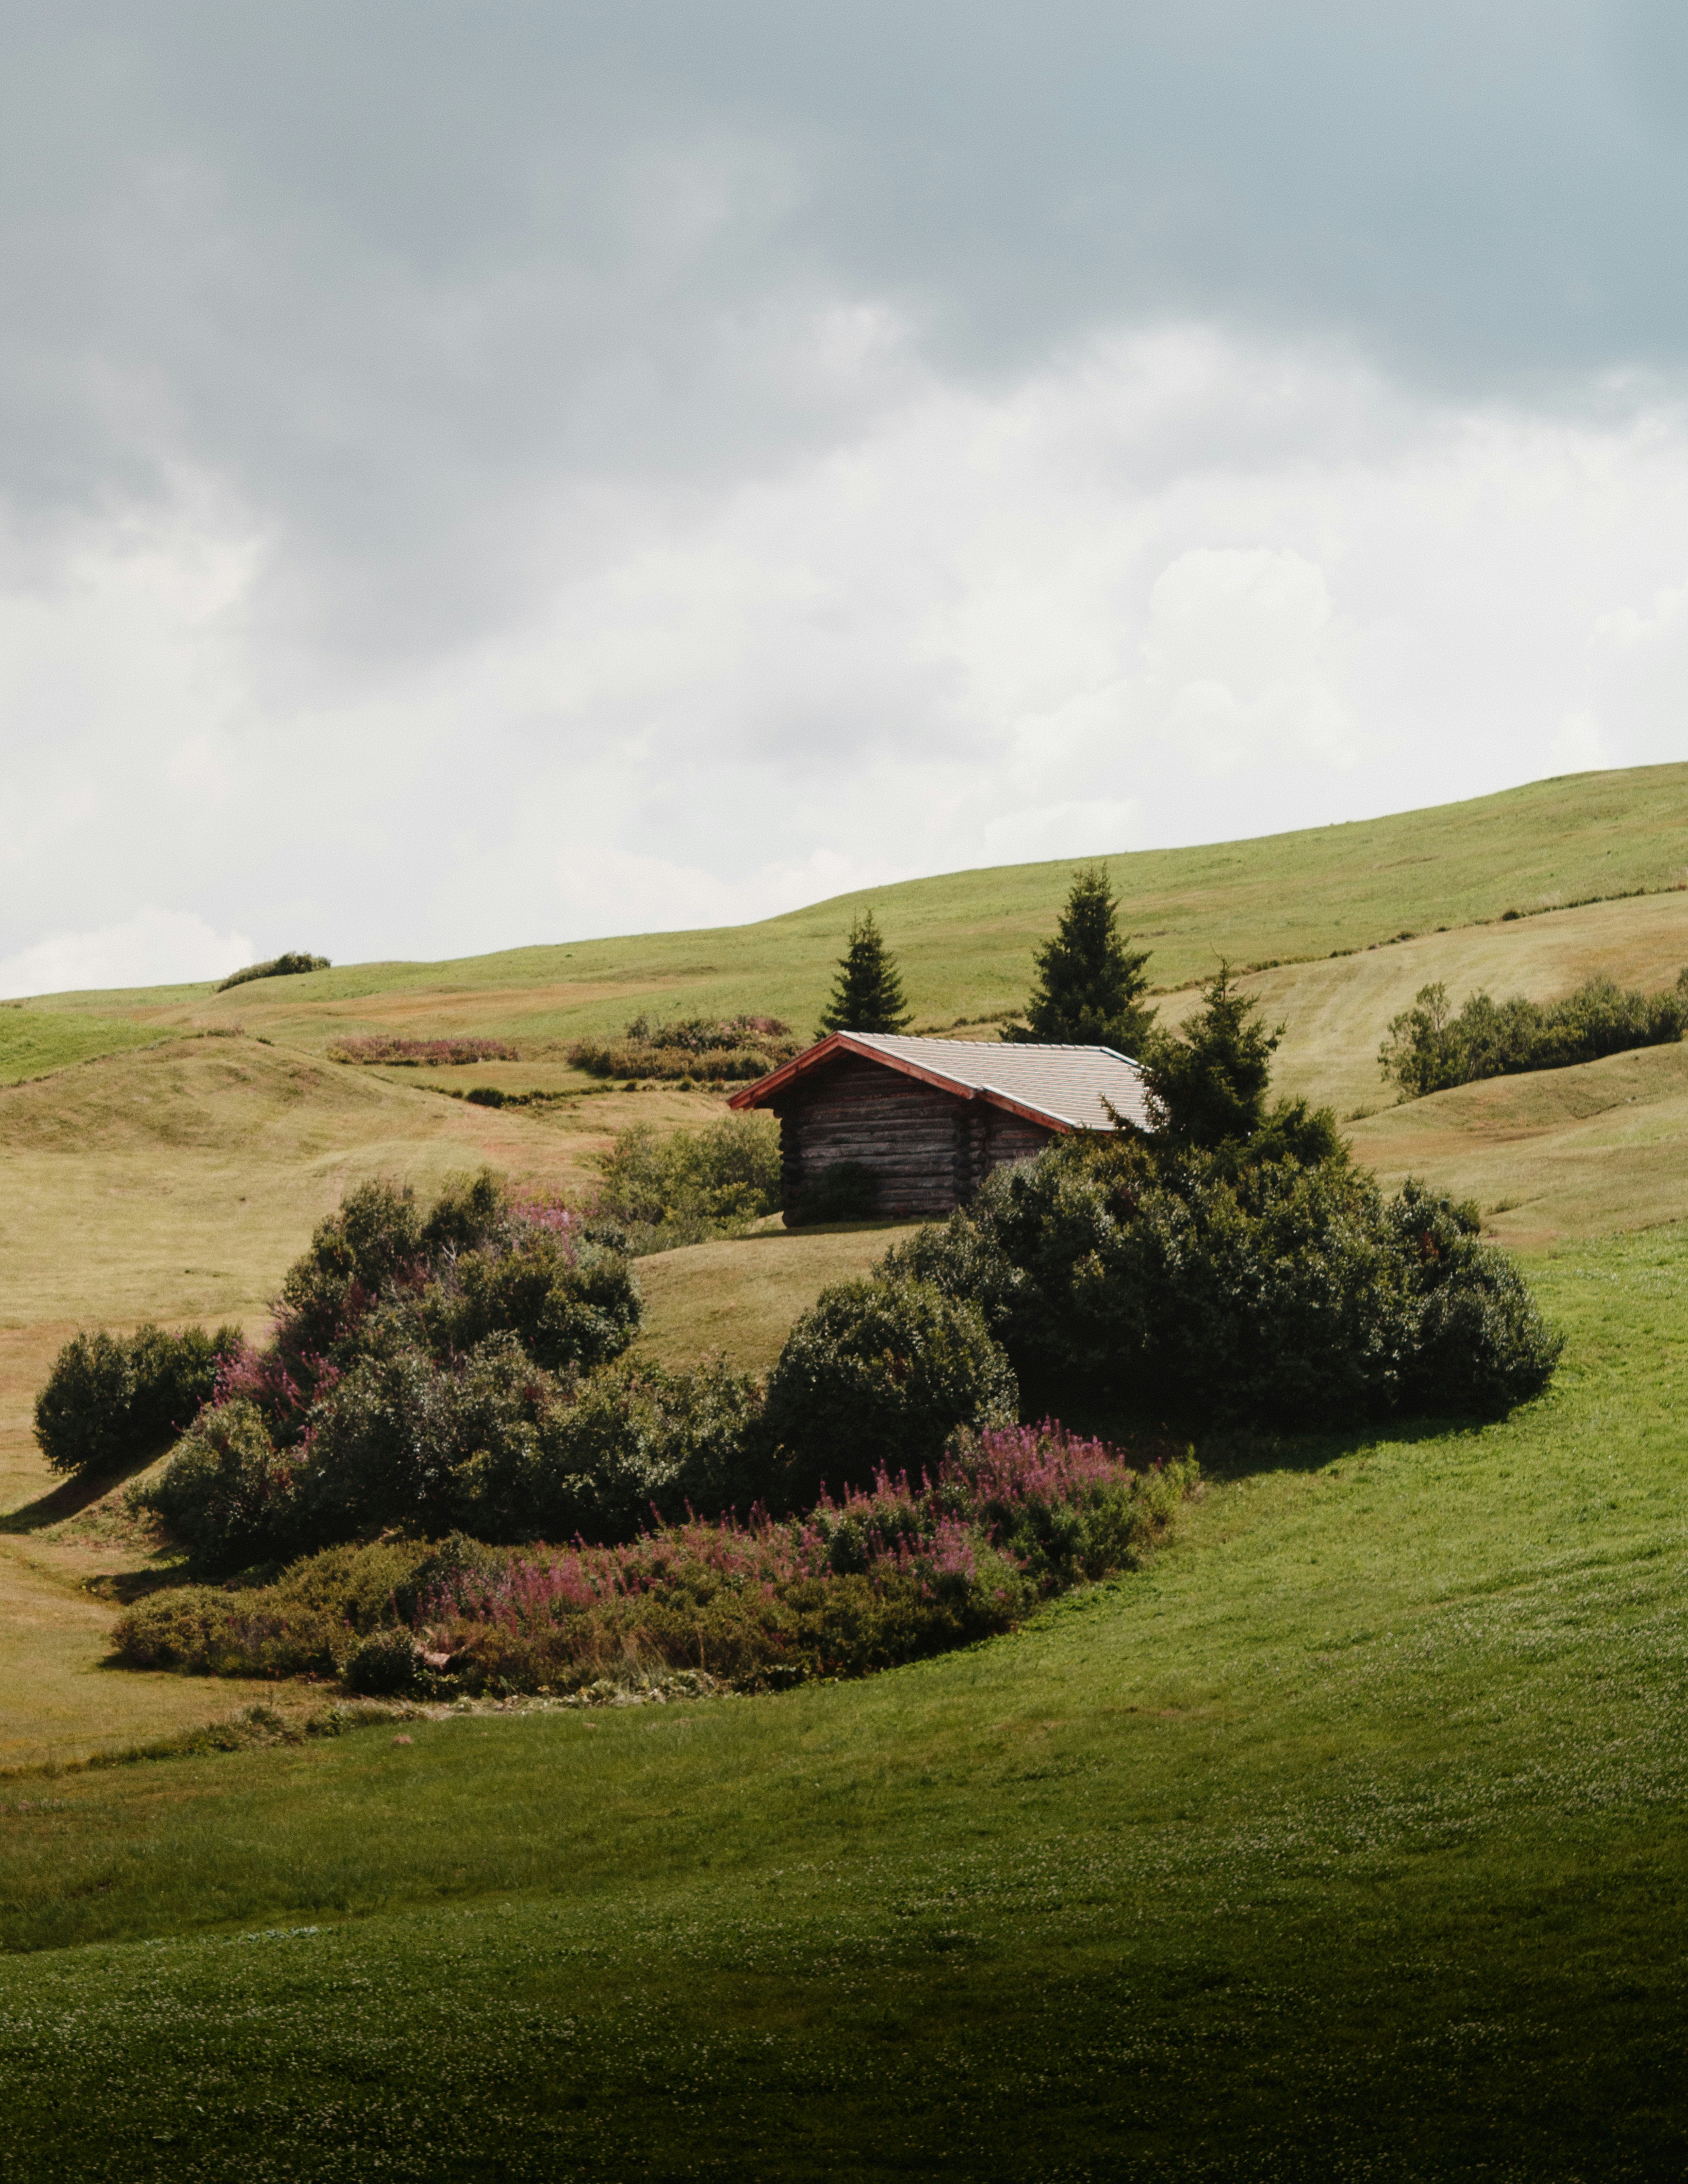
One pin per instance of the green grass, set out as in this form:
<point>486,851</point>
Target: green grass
<point>1348,1840</point>
<point>965,940</point>
<point>35,1041</point>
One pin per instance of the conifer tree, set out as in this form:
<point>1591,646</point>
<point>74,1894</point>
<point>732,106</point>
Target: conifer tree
<point>1091,980</point>
<point>867,994</point>
<point>1207,1081</point>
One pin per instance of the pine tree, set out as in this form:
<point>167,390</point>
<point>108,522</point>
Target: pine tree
<point>1207,1083</point>
<point>867,994</point>
<point>1091,980</point>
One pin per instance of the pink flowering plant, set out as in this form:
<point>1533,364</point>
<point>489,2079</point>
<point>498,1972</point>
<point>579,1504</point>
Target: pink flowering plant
<point>858,1583</point>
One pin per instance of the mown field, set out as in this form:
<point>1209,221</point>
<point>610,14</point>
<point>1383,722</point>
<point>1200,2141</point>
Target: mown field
<point>1348,1840</point>
<point>1345,1840</point>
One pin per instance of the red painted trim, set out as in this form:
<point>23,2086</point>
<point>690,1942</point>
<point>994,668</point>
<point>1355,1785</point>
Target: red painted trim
<point>841,1042</point>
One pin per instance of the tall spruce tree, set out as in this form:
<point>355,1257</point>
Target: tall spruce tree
<point>867,994</point>
<point>1091,980</point>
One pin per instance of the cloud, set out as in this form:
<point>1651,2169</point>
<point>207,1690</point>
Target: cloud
<point>153,948</point>
<point>1244,659</point>
<point>471,478</point>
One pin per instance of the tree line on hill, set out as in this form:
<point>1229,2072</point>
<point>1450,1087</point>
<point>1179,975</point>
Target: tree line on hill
<point>1091,983</point>
<point>1432,1047</point>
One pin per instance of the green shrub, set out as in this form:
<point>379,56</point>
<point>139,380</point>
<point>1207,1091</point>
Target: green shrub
<point>1211,1284</point>
<point>1481,1344</point>
<point>279,967</point>
<point>692,1184</point>
<point>1431,1048</point>
<point>228,1494</point>
<point>572,1306</point>
<point>82,1415</point>
<point>642,1440</point>
<point>108,1400</point>
<point>738,1049</point>
<point>878,1375</point>
<point>307,1621</point>
<point>385,1665</point>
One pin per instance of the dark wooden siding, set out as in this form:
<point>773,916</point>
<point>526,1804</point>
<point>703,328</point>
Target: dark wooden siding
<point>927,1148</point>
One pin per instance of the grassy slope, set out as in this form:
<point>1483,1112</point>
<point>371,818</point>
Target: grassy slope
<point>180,1180</point>
<point>965,940</point>
<point>33,1041</point>
<point>1347,1841</point>
<point>1563,1153</point>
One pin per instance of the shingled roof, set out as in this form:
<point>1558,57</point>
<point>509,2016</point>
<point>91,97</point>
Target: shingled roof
<point>1064,1087</point>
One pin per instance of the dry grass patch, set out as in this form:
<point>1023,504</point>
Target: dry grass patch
<point>740,1295</point>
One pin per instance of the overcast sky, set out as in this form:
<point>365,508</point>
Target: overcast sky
<point>486,473</point>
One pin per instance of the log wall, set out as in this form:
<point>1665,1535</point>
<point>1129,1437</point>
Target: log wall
<point>928,1148</point>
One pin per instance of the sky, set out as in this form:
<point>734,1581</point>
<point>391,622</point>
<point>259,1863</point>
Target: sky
<point>480,474</point>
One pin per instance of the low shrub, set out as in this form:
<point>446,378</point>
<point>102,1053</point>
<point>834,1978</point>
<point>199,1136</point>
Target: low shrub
<point>1430,1047</point>
<point>876,1374</point>
<point>108,1400</point>
<point>856,1585</point>
<point>228,1494</point>
<point>419,1053</point>
<point>688,1185</point>
<point>386,1665</point>
<point>307,1621</point>
<point>279,967</point>
<point>737,1049</point>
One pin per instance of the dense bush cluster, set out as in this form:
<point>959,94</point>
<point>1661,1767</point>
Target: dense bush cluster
<point>110,1400</point>
<point>688,1185</point>
<point>1431,1047</point>
<point>1199,1285</point>
<point>420,1053</point>
<point>436,1369</point>
<point>1236,1264</point>
<point>737,1049</point>
<point>856,1584</point>
<point>290,965</point>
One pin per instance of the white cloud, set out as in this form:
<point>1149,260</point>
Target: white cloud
<point>153,948</point>
<point>1244,660</point>
<point>1174,587</point>
<point>1577,744</point>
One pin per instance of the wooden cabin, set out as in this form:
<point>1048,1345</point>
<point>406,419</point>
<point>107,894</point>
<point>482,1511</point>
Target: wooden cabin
<point>929,1118</point>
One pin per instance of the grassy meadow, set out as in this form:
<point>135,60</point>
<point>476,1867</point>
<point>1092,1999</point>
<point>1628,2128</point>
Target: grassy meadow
<point>1347,1839</point>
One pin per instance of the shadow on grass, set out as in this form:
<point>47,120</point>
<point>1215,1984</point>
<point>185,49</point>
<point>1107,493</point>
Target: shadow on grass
<point>782,1235</point>
<point>78,1492</point>
<point>1241,1452</point>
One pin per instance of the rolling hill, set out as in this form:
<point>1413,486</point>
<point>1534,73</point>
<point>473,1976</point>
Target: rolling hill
<point>964,940</point>
<point>1344,1840</point>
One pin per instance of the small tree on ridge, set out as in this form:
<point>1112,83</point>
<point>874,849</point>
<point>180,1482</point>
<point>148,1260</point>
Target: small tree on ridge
<point>867,993</point>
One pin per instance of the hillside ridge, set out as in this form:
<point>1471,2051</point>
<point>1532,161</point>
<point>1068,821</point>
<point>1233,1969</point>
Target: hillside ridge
<point>965,940</point>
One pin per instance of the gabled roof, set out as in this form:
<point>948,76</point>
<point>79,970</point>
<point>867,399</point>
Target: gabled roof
<point>1065,1088</point>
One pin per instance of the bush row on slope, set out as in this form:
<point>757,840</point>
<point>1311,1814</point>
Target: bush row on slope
<point>292,966</point>
<point>1431,1047</point>
<point>420,1053</point>
<point>736,1049</point>
<point>857,1583</point>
